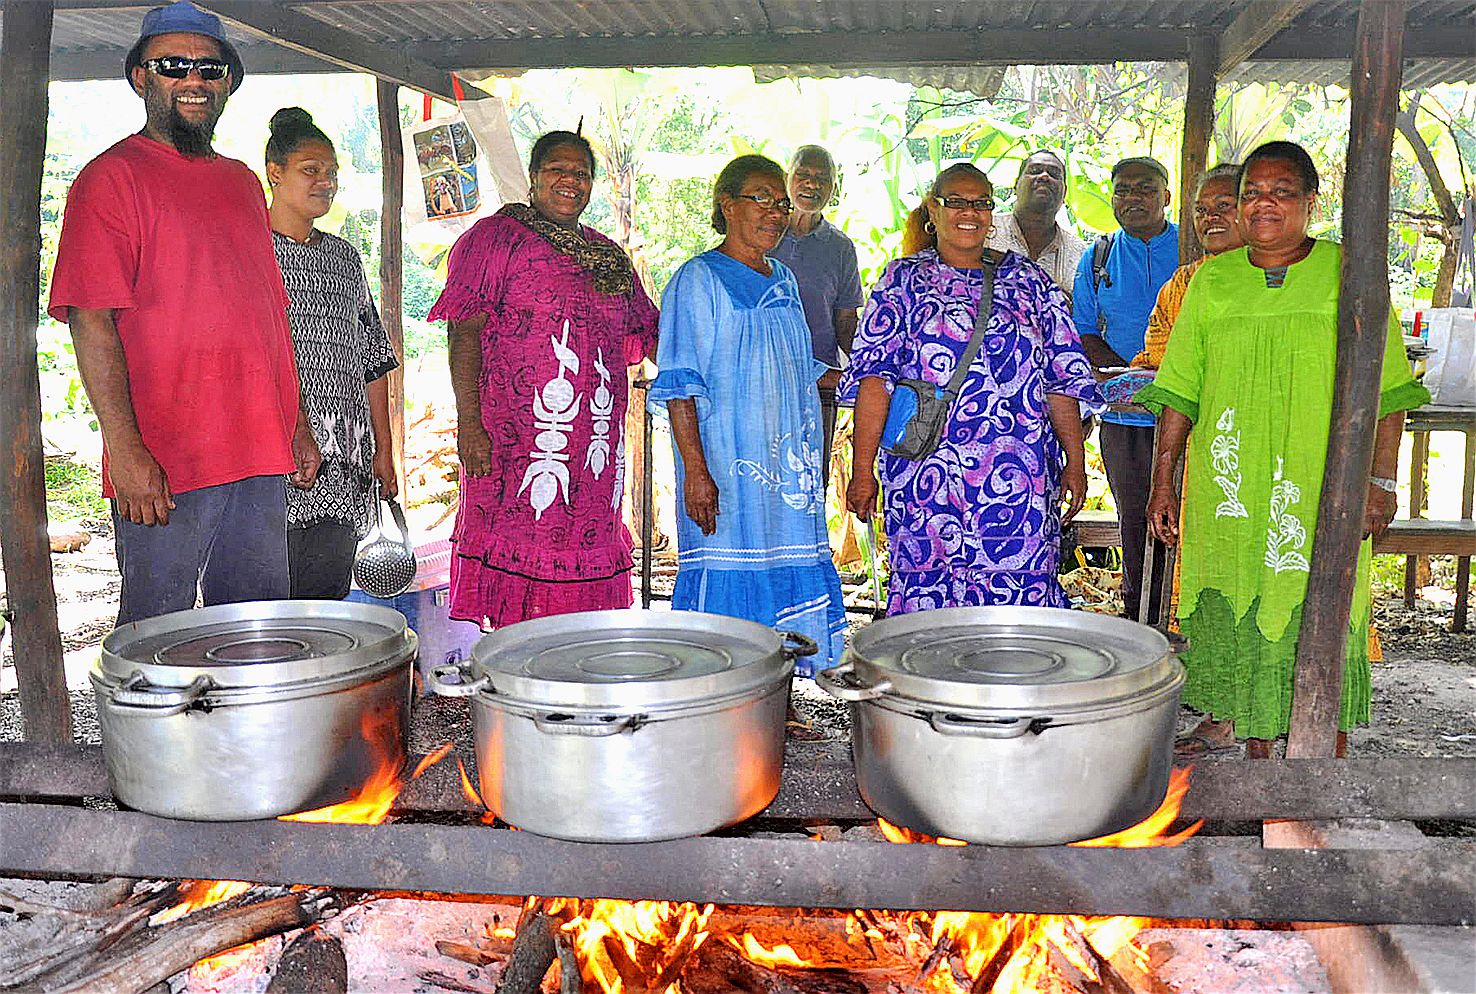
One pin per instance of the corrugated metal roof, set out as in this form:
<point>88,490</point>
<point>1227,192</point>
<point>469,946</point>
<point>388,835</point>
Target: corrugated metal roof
<point>90,36</point>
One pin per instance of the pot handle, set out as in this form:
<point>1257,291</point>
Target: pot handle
<point>841,681</point>
<point>134,694</point>
<point>796,646</point>
<point>442,683</point>
<point>987,728</point>
<point>594,726</point>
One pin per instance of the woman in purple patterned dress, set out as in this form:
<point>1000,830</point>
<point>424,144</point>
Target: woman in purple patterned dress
<point>978,521</point>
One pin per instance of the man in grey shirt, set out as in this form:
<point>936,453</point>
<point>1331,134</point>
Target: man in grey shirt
<point>824,263</point>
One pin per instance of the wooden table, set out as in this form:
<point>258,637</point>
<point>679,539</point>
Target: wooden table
<point>1421,422</point>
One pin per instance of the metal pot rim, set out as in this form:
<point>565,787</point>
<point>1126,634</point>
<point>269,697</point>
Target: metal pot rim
<point>552,662</point>
<point>1117,659</point>
<point>364,637</point>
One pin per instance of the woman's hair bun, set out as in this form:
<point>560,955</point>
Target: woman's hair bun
<point>291,117</point>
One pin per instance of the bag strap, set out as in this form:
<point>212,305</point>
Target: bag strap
<point>1101,252</point>
<point>991,260</point>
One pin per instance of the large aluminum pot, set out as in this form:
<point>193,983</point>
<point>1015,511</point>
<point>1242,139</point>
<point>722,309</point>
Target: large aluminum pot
<point>1009,725</point>
<point>253,710</point>
<point>628,726</point>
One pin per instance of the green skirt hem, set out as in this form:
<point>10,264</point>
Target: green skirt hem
<point>1234,672</point>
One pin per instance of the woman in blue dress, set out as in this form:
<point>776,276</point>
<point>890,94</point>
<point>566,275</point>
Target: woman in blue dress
<point>737,378</point>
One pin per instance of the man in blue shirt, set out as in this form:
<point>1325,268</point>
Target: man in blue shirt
<point>1110,306</point>
<point>824,264</point>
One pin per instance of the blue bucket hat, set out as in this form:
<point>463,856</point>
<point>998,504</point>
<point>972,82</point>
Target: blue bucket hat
<point>184,17</point>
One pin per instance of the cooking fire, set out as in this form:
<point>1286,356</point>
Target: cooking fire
<point>601,946</point>
<point>1003,820</point>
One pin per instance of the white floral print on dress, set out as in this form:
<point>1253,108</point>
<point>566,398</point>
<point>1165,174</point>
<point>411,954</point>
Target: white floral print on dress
<point>1225,456</point>
<point>794,471</point>
<point>1285,534</point>
<point>597,455</point>
<point>554,409</point>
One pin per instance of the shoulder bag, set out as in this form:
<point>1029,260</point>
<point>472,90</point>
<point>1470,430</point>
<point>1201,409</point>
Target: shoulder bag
<point>919,409</point>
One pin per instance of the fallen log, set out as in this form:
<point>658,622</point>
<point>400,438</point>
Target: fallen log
<point>149,956</point>
<point>56,936</point>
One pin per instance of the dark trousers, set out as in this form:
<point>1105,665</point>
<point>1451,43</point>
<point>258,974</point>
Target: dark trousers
<point>320,558</point>
<point>1127,455</point>
<point>827,428</point>
<point>225,544</point>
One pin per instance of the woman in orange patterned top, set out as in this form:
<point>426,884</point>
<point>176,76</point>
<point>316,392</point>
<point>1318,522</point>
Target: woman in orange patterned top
<point>1215,207</point>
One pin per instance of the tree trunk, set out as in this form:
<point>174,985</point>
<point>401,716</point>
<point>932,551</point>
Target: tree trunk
<point>25,60</point>
<point>1363,315</point>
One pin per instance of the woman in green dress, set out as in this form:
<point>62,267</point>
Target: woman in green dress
<point>1250,370</point>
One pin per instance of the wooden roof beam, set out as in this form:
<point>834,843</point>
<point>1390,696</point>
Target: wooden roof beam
<point>1258,23</point>
<point>260,58</point>
<point>316,38</point>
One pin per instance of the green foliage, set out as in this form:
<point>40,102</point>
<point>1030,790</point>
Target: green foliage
<point>664,134</point>
<point>73,491</point>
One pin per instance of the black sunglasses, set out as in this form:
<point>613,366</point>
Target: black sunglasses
<point>178,67</point>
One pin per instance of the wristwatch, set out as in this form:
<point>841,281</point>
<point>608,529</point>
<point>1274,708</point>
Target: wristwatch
<point>1383,483</point>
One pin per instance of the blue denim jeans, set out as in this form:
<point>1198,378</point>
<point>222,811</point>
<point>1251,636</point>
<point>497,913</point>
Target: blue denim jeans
<point>225,543</point>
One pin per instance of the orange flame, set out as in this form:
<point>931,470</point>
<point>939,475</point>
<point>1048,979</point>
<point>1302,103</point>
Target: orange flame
<point>372,804</point>
<point>431,759</point>
<point>644,942</point>
<point>1017,948</point>
<point>197,894</point>
<point>782,954</point>
<point>470,793</point>
<point>896,833</point>
<point>1150,831</point>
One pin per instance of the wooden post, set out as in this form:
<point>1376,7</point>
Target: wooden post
<point>25,68</point>
<point>1363,321</point>
<point>1199,125</point>
<point>392,255</point>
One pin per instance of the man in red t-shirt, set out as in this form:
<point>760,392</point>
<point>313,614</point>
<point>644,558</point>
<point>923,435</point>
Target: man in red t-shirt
<point>166,275</point>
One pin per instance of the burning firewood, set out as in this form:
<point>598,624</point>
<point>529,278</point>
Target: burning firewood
<point>135,958</point>
<point>1000,958</point>
<point>721,969</point>
<point>571,981</point>
<point>58,935</point>
<point>939,954</point>
<point>533,952</point>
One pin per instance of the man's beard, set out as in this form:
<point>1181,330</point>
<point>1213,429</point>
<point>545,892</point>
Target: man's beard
<point>189,139</point>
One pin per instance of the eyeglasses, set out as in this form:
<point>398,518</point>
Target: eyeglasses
<point>783,204</point>
<point>959,203</point>
<point>179,67</point>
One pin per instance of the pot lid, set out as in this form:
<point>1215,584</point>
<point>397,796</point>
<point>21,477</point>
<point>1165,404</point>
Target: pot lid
<point>1012,657</point>
<point>257,643</point>
<point>629,659</point>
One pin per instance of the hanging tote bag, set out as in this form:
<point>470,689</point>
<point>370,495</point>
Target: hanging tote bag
<point>919,409</point>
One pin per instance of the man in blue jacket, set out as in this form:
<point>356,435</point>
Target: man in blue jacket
<point>1117,283</point>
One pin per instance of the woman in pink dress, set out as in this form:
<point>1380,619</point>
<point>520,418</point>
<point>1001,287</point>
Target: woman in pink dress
<point>545,315</point>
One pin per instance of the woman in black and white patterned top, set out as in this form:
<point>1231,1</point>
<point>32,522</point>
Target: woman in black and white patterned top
<point>343,355</point>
